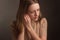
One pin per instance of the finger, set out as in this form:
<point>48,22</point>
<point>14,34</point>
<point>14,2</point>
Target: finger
<point>26,20</point>
<point>26,17</point>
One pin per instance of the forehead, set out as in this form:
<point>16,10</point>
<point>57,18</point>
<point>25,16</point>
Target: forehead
<point>34,7</point>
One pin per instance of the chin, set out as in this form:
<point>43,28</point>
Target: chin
<point>36,20</point>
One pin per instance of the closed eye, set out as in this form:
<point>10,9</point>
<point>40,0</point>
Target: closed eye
<point>38,9</point>
<point>31,12</point>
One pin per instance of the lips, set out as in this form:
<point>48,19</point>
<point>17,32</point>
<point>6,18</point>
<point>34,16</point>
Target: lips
<point>35,17</point>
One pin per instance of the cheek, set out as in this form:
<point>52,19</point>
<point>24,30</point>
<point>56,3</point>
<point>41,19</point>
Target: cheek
<point>38,13</point>
<point>31,16</point>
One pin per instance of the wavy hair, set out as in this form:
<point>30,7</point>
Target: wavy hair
<point>17,25</point>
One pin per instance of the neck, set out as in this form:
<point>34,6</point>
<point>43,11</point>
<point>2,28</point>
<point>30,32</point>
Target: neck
<point>35,22</point>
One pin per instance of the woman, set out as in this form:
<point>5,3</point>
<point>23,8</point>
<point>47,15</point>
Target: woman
<point>29,24</point>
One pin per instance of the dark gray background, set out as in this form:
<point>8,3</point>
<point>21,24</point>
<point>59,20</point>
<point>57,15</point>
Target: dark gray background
<point>8,10</point>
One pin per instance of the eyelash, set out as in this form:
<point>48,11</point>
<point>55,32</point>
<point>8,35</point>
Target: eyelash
<point>38,9</point>
<point>31,12</point>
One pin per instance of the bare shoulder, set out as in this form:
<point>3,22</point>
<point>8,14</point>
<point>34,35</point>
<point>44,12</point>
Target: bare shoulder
<point>43,28</point>
<point>43,21</point>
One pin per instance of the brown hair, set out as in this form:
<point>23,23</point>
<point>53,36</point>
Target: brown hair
<point>23,7</point>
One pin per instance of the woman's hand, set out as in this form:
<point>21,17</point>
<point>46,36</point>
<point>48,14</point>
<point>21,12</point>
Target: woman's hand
<point>27,22</point>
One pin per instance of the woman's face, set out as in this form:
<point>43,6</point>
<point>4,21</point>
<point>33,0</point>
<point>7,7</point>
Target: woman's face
<point>34,11</point>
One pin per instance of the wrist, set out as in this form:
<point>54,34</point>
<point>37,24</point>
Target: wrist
<point>34,35</point>
<point>30,29</point>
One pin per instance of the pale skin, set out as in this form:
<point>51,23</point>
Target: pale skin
<point>32,15</point>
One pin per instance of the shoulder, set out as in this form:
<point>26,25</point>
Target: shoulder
<point>43,21</point>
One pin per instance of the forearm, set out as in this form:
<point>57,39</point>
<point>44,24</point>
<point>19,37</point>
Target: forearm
<point>21,35</point>
<point>34,35</point>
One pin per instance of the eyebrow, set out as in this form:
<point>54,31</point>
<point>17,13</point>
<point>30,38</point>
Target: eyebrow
<point>33,10</point>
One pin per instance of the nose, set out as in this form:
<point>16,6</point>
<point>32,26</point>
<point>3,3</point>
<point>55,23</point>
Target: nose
<point>36,13</point>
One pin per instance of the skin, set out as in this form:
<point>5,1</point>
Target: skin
<point>32,15</point>
<point>33,11</point>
